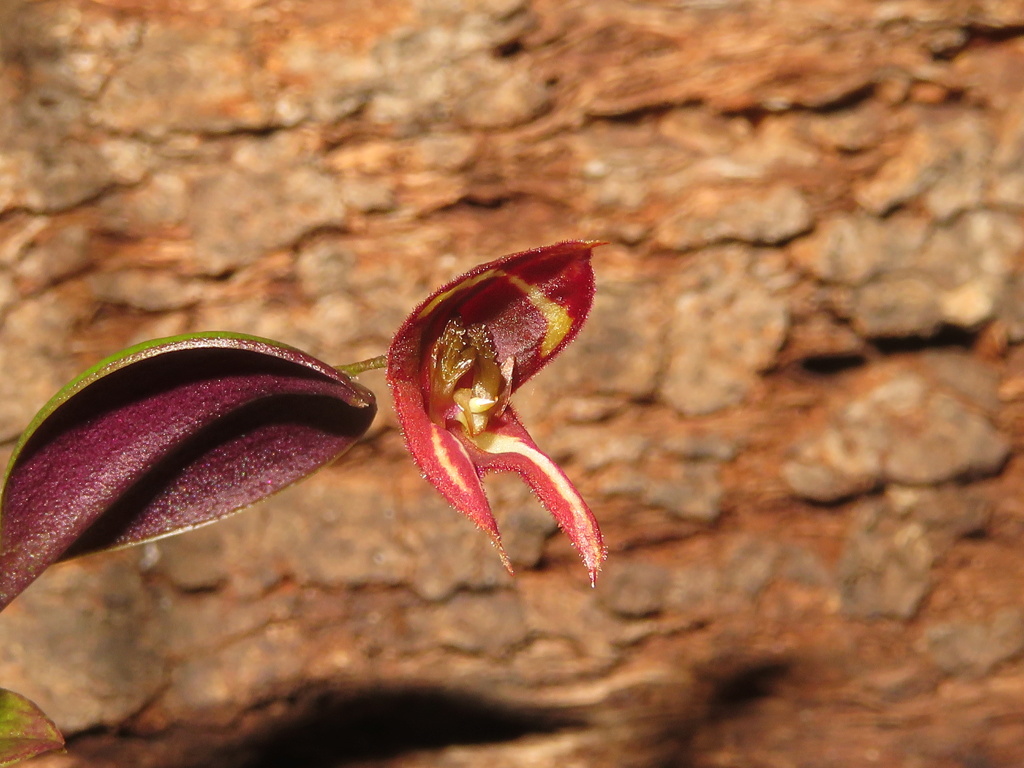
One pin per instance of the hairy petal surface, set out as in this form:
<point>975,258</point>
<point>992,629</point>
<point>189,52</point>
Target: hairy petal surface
<point>459,356</point>
<point>508,447</point>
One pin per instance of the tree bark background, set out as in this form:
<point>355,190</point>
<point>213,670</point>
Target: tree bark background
<point>798,408</point>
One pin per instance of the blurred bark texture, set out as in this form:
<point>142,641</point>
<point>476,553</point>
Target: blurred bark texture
<point>798,408</point>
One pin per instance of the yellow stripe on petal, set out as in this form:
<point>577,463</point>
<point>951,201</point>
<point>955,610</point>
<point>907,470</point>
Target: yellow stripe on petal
<point>445,460</point>
<point>492,442</point>
<point>557,317</point>
<point>457,288</point>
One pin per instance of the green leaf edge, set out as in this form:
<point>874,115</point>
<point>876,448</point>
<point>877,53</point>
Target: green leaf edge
<point>114,363</point>
<point>16,748</point>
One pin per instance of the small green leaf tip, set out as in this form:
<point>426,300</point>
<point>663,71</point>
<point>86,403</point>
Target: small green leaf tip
<point>25,731</point>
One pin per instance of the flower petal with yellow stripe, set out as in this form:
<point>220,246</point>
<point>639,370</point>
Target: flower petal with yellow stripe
<point>455,362</point>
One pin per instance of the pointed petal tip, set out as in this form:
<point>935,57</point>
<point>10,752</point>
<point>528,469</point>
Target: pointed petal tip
<point>593,560</point>
<point>496,543</point>
<point>504,558</point>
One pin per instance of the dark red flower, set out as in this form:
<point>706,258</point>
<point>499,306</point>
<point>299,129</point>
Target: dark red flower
<point>462,353</point>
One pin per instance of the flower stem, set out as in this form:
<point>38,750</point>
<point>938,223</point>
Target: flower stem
<point>354,369</point>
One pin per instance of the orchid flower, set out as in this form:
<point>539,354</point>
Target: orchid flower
<point>460,356</point>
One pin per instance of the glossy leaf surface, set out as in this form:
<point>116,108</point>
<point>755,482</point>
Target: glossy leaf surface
<point>165,437</point>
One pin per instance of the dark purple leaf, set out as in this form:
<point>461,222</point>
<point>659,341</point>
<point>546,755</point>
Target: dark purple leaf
<point>165,437</point>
